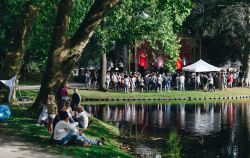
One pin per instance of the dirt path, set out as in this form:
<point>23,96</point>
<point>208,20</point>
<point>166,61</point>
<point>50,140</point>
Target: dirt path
<point>13,148</point>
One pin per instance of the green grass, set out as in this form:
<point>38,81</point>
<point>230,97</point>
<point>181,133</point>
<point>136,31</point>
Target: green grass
<point>29,83</point>
<point>21,125</point>
<point>173,94</point>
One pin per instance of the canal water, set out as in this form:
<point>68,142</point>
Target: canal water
<point>204,130</point>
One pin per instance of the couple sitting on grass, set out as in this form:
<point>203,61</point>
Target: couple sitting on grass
<point>64,127</point>
<point>65,132</point>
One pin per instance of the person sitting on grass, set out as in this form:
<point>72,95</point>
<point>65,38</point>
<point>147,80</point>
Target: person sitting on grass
<point>82,117</point>
<point>69,110</point>
<point>64,133</point>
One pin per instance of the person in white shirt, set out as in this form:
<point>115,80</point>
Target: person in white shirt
<point>133,80</point>
<point>182,82</point>
<point>211,83</point>
<point>82,117</point>
<point>159,81</point>
<point>65,132</point>
<point>198,81</point>
<point>108,79</point>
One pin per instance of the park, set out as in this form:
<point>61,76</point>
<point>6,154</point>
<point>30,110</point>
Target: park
<point>124,78</point>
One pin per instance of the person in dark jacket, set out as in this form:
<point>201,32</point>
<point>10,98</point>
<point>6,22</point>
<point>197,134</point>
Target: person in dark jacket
<point>76,99</point>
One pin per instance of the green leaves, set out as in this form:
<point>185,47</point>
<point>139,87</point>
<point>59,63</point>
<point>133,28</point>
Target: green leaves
<point>152,20</point>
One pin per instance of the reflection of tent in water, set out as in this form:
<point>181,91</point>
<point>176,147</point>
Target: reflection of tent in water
<point>200,66</point>
<point>208,121</point>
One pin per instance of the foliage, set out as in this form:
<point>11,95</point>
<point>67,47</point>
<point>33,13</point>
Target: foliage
<point>154,20</point>
<point>223,23</point>
<point>173,145</point>
<point>38,47</point>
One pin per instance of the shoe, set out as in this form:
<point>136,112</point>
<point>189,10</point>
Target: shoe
<point>99,143</point>
<point>102,140</point>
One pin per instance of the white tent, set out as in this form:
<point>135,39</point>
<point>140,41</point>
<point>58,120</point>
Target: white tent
<point>200,66</point>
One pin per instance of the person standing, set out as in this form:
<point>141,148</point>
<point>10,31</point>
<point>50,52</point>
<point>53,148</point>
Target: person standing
<point>133,80</point>
<point>87,80</point>
<point>230,80</point>
<point>211,83</point>
<point>198,81</point>
<point>64,95</point>
<point>182,82</point>
<point>177,81</point>
<point>141,83</point>
<point>52,111</point>
<point>168,82</point>
<point>223,81</point>
<point>76,99</point>
<point>154,82</point>
<point>159,82</point>
<point>108,79</point>
<point>127,84</point>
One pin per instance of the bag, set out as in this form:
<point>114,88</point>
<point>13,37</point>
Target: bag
<point>44,115</point>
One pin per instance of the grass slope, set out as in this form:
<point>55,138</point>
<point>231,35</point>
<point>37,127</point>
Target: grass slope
<point>21,125</point>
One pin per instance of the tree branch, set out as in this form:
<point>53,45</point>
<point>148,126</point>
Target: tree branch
<point>89,24</point>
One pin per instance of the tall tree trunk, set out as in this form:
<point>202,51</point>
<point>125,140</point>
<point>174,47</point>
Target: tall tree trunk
<point>103,72</point>
<point>14,57</point>
<point>246,62</point>
<point>246,67</point>
<point>65,53</point>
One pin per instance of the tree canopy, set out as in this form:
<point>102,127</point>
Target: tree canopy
<point>154,21</point>
<point>224,27</point>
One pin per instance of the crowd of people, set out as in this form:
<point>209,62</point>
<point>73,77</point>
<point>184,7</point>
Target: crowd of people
<point>166,81</point>
<point>66,120</point>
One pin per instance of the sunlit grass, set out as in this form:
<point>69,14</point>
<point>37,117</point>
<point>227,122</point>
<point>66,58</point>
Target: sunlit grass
<point>173,94</point>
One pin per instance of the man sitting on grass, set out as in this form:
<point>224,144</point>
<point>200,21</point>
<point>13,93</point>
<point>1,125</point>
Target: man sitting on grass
<point>64,133</point>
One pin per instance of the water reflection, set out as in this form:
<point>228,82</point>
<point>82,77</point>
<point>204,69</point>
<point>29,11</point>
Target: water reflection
<point>205,130</point>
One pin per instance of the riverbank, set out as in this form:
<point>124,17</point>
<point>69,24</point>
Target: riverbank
<point>93,95</point>
<point>21,125</point>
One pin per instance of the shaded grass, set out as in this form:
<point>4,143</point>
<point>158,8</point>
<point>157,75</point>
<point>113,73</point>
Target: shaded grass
<point>23,126</point>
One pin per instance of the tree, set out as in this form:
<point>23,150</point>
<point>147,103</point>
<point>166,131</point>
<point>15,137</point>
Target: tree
<point>14,53</point>
<point>225,26</point>
<point>154,20</point>
<point>64,51</point>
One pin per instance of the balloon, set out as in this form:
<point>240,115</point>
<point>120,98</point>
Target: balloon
<point>4,112</point>
<point>1,117</point>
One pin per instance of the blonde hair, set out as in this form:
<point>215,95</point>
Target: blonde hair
<point>80,108</point>
<point>51,99</point>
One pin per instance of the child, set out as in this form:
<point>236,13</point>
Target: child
<point>52,110</point>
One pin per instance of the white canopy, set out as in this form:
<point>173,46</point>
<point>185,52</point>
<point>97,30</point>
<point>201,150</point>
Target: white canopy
<point>200,66</point>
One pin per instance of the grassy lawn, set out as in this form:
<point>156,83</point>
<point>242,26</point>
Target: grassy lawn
<point>173,94</point>
<point>23,126</point>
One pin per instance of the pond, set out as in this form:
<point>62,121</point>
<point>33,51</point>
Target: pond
<point>204,130</point>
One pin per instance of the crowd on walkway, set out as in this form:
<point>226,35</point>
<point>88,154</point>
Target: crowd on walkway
<point>67,121</point>
<point>166,81</point>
